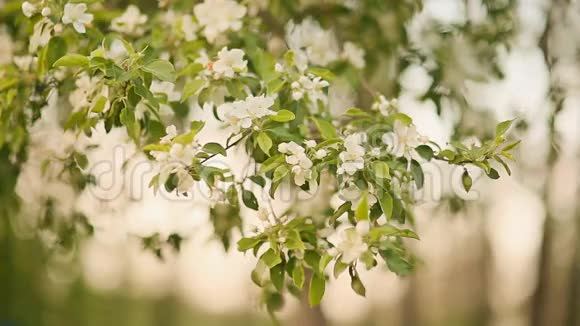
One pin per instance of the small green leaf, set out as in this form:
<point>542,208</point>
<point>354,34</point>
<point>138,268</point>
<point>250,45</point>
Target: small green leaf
<point>511,146</point>
<point>280,173</point>
<point>265,142</point>
<point>260,273</point>
<point>405,119</point>
<point>277,276</point>
<point>293,241</point>
<point>275,85</point>
<point>381,170</point>
<point>257,179</point>
<point>72,60</point>
<point>127,118</point>
<point>425,151</point>
<point>191,88</point>
<point>188,137</point>
<point>322,73</point>
<point>270,258</point>
<point>298,275</point>
<point>161,69</point>
<point>247,243</point>
<point>283,116</point>
<point>339,267</point>
<point>386,203</point>
<point>214,148</point>
<point>357,285</point>
<point>327,130</point>
<point>99,104</point>
<point>362,211</point>
<point>249,199</point>
<point>316,291</point>
<point>503,127</point>
<point>493,174</point>
<point>466,180</point>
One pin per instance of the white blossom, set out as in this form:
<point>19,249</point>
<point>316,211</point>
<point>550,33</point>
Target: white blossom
<point>385,106</point>
<point>182,153</point>
<point>46,11</point>
<point>352,244</point>
<point>75,14</point>
<point>229,63</point>
<point>310,40</point>
<point>28,9</point>
<point>402,140</point>
<point>241,114</point>
<point>170,133</point>
<point>354,54</point>
<point>219,16</point>
<point>130,22</point>
<point>311,86</point>
<point>184,180</point>
<point>320,154</point>
<point>310,143</point>
<point>41,34</point>
<point>352,157</point>
<point>189,28</point>
<point>297,158</point>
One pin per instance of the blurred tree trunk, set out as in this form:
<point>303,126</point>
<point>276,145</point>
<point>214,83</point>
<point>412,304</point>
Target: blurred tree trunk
<point>573,317</point>
<point>542,308</point>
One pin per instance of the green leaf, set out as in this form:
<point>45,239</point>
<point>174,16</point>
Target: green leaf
<point>99,104</point>
<point>280,173</point>
<point>339,267</point>
<point>362,211</point>
<point>283,116</point>
<point>270,258</point>
<point>377,233</point>
<point>249,199</point>
<point>356,113</point>
<point>425,151</point>
<point>386,203</point>
<point>72,60</point>
<point>236,89</point>
<point>127,118</point>
<point>502,127</point>
<point>271,163</point>
<point>188,137</point>
<point>493,174</point>
<point>260,273</point>
<point>55,49</point>
<point>265,142</point>
<point>381,170</point>
<point>293,241</point>
<point>417,173</point>
<point>156,147</point>
<point>161,69</point>
<point>191,88</point>
<point>357,285</point>
<point>466,180</point>
<point>257,179</point>
<point>322,73</point>
<point>405,119</point>
<point>214,148</point>
<point>511,146</point>
<point>298,275</point>
<point>327,130</point>
<point>275,85</point>
<point>277,276</point>
<point>316,291</point>
<point>245,244</point>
